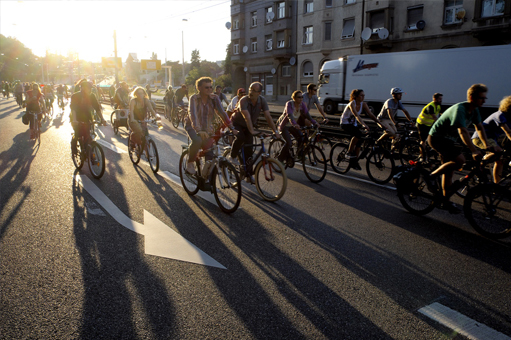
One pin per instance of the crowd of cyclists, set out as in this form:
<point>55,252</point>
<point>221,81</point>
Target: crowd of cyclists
<point>437,131</point>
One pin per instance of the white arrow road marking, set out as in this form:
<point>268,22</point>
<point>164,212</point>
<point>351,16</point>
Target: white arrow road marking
<point>160,239</point>
<point>461,323</point>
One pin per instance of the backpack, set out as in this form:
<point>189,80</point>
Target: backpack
<point>25,118</point>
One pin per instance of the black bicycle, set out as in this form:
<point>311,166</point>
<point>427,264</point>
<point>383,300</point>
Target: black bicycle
<point>148,147</point>
<point>311,156</point>
<point>178,115</point>
<point>270,176</point>
<point>379,161</point>
<point>82,150</point>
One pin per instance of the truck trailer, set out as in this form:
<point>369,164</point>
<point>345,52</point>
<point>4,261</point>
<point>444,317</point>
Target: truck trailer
<point>420,74</point>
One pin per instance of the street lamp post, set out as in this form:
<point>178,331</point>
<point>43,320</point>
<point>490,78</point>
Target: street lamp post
<point>183,50</point>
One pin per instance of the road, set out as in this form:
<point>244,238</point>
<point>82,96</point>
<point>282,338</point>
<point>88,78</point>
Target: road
<point>133,256</point>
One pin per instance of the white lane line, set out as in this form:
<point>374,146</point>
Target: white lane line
<point>159,239</point>
<point>111,146</point>
<point>461,323</point>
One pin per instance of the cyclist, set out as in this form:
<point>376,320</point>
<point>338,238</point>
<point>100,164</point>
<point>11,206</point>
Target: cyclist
<point>295,111</point>
<point>82,103</point>
<point>18,93</point>
<point>35,104</point>
<point>222,96</point>
<point>179,95</point>
<point>387,115</point>
<point>496,125</point>
<point>168,99</point>
<point>232,105</point>
<point>245,117</point>
<point>7,89</point>
<point>425,120</point>
<point>199,123</point>
<point>111,92</point>
<point>60,94</point>
<point>121,97</point>
<point>49,94</point>
<point>139,106</point>
<point>310,98</point>
<point>349,119</point>
<point>444,133</point>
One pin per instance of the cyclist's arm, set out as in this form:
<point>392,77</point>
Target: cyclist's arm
<point>465,137</point>
<point>270,122</point>
<point>151,109</point>
<point>221,112</point>
<point>507,130</point>
<point>357,117</point>
<point>371,115</point>
<point>132,109</point>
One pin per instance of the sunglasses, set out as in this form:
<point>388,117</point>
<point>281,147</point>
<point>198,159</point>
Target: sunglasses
<point>298,97</point>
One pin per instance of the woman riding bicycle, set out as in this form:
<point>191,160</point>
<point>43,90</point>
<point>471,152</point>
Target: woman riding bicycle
<point>34,104</point>
<point>49,94</point>
<point>349,119</point>
<point>139,105</point>
<point>295,112</point>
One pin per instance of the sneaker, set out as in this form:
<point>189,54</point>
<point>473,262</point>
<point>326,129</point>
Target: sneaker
<point>355,166</point>
<point>190,168</point>
<point>250,179</point>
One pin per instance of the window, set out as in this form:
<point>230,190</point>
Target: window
<point>348,29</point>
<point>414,15</point>
<point>308,69</point>
<point>236,49</point>
<point>350,2</point>
<point>269,43</point>
<point>492,8</point>
<point>286,70</point>
<point>309,6</point>
<point>307,35</point>
<point>377,20</point>
<point>454,12</point>
<point>254,19</point>
<point>328,3</point>
<point>328,31</point>
<point>236,23</point>
<point>269,17</point>
<point>253,45</point>
<point>281,7</point>
<point>281,42</point>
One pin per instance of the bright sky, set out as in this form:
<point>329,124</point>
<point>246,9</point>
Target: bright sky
<point>143,27</point>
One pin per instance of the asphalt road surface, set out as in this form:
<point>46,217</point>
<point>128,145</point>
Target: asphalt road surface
<point>132,256</point>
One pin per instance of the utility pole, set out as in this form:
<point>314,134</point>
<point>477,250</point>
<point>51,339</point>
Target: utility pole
<point>115,62</point>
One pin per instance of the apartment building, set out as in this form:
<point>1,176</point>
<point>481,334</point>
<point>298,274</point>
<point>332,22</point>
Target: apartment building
<point>287,52</point>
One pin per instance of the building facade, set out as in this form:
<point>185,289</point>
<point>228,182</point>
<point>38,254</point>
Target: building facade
<point>286,49</point>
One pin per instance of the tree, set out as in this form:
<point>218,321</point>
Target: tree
<point>228,62</point>
<point>195,59</point>
<point>224,80</point>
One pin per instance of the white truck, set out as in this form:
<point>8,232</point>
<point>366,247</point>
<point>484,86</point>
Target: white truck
<point>420,74</point>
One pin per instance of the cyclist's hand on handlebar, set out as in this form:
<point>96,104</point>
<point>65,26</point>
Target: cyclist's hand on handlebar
<point>277,134</point>
<point>325,121</point>
<point>297,126</point>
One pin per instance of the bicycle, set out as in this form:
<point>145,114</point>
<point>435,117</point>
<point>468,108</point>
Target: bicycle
<point>19,99</point>
<point>487,206</point>
<point>178,115</point>
<point>119,118</point>
<point>217,176</point>
<point>270,176</point>
<point>322,141</point>
<point>82,150</point>
<point>37,126</point>
<point>311,156</point>
<point>61,102</point>
<point>49,105</point>
<point>379,161</point>
<point>135,150</point>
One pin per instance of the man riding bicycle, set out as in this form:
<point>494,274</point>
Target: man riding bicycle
<point>387,115</point>
<point>82,104</point>
<point>199,123</point>
<point>121,97</point>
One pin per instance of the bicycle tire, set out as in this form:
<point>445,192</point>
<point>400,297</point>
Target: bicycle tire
<point>152,156</point>
<point>112,121</point>
<point>96,160</point>
<point>189,182</point>
<point>380,166</point>
<point>226,187</point>
<point>339,160</point>
<point>417,199</point>
<point>78,157</point>
<point>325,144</point>
<point>134,152</point>
<point>314,163</point>
<point>175,117</point>
<point>275,149</point>
<point>487,208</point>
<point>409,151</point>
<point>271,184</point>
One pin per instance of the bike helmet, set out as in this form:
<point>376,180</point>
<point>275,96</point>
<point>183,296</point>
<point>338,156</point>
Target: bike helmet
<point>396,90</point>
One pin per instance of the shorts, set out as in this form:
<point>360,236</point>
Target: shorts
<point>423,131</point>
<point>352,130</point>
<point>445,147</point>
<point>479,143</point>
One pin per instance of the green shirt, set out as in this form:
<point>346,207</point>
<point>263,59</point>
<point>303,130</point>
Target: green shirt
<point>455,117</point>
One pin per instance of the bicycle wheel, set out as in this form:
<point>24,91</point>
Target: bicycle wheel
<point>409,151</point>
<point>415,197</point>
<point>152,156</point>
<point>325,144</point>
<point>175,117</point>
<point>314,163</point>
<point>487,208</point>
<point>78,156</point>
<point>96,160</point>
<point>339,160</point>
<point>226,187</point>
<point>271,184</point>
<point>134,150</point>
<point>380,166</point>
<point>275,149</point>
<point>189,182</point>
<point>112,121</point>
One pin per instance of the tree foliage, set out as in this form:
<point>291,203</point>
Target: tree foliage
<point>195,59</point>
